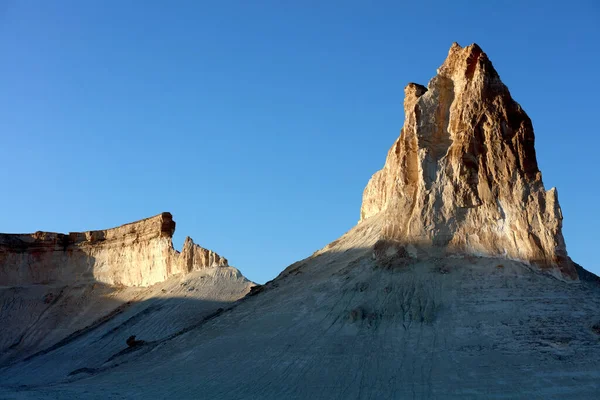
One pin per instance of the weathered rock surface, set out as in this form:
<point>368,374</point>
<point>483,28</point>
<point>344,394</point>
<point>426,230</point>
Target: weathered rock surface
<point>136,254</point>
<point>391,310</point>
<point>194,257</point>
<point>127,280</point>
<point>463,175</point>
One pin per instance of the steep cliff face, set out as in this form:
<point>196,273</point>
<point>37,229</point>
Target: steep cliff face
<point>136,254</point>
<point>55,288</point>
<point>463,175</point>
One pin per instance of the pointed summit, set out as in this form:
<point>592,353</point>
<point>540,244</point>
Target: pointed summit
<point>466,63</point>
<point>463,175</point>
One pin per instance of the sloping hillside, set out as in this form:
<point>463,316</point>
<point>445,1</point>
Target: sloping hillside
<point>343,324</point>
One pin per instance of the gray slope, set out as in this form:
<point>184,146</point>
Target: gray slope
<point>337,326</point>
<point>86,325</point>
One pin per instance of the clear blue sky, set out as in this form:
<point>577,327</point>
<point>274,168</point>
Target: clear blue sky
<point>258,124</point>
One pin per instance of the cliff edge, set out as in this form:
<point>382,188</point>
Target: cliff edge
<point>135,254</point>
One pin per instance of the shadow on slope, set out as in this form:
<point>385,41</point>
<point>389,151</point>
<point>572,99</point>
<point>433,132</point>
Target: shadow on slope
<point>153,315</point>
<point>38,315</point>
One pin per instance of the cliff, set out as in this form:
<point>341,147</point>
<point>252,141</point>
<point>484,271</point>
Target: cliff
<point>418,300</point>
<point>463,175</point>
<point>136,254</point>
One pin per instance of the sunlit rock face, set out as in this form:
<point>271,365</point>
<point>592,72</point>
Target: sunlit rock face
<point>136,254</point>
<point>194,257</point>
<point>463,175</point>
<point>71,300</point>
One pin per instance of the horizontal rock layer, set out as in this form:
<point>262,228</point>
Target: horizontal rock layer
<point>136,254</point>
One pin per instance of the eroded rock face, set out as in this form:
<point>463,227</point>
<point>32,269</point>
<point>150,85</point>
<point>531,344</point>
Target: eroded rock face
<point>194,257</point>
<point>136,254</point>
<point>463,174</point>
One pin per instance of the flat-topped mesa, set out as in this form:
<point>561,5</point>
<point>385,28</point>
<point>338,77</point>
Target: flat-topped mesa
<point>463,175</point>
<point>135,254</point>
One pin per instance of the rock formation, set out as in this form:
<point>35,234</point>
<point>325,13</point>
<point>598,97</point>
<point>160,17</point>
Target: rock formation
<point>194,257</point>
<point>136,254</point>
<point>382,312</point>
<point>463,176</point>
<point>55,288</point>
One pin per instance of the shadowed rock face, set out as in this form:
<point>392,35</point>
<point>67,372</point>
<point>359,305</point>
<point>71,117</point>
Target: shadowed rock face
<point>136,254</point>
<point>463,175</point>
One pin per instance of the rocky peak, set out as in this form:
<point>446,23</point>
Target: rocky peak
<point>463,175</point>
<point>467,65</point>
<point>195,257</point>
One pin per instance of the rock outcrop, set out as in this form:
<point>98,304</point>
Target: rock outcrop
<point>194,257</point>
<point>381,312</point>
<point>136,254</point>
<point>463,176</point>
